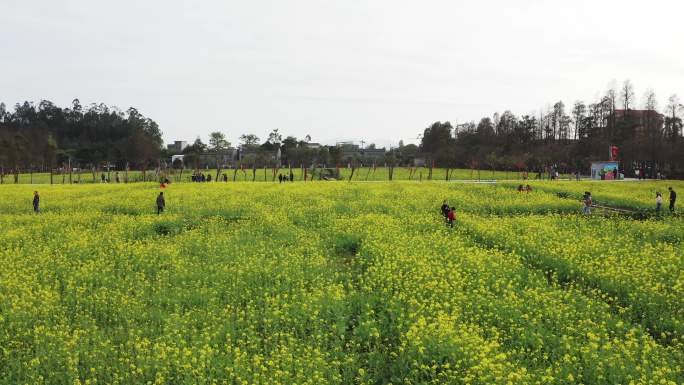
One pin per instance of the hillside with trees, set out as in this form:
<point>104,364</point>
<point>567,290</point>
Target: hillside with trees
<point>45,136</point>
<point>567,137</point>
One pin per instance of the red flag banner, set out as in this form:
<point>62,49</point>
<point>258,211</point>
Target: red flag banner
<point>614,152</point>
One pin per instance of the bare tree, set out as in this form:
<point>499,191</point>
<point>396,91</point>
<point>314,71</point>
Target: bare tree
<point>627,94</point>
<point>651,130</point>
<point>218,143</point>
<point>557,120</point>
<point>650,102</point>
<point>673,121</point>
<point>607,107</point>
<point>579,111</point>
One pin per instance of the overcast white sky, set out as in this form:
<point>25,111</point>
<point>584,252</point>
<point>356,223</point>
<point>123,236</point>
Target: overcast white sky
<point>375,70</point>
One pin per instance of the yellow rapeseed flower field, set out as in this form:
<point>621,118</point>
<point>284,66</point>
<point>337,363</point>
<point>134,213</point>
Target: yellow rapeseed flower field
<point>339,283</point>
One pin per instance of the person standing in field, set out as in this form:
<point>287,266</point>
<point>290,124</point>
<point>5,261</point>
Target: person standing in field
<point>587,203</point>
<point>161,203</point>
<point>451,216</point>
<point>280,178</point>
<point>673,199</point>
<point>291,176</point>
<point>36,202</point>
<point>445,209</point>
<point>659,202</point>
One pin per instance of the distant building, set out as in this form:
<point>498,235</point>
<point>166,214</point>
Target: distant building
<point>346,145</point>
<point>373,153</point>
<point>255,155</point>
<point>177,147</point>
<point>225,158</point>
<point>175,158</point>
<point>313,146</point>
<point>351,152</point>
<point>348,151</point>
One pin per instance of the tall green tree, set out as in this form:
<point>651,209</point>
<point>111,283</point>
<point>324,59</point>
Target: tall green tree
<point>218,143</point>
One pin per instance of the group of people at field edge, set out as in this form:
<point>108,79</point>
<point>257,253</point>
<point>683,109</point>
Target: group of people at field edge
<point>284,178</point>
<point>659,200</point>
<point>105,179</point>
<point>200,177</point>
<point>449,213</point>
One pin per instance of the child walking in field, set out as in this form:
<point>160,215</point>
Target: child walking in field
<point>659,202</point>
<point>161,203</point>
<point>451,216</point>
<point>587,203</point>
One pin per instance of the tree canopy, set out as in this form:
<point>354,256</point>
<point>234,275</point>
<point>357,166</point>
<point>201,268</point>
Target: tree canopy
<point>46,135</point>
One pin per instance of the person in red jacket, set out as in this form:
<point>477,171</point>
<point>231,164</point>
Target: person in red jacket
<point>451,216</point>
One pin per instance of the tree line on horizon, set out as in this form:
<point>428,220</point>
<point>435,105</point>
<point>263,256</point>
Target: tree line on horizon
<point>45,137</point>
<point>568,139</point>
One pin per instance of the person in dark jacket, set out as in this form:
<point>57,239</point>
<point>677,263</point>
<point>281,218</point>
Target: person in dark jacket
<point>445,208</point>
<point>280,178</point>
<point>161,203</point>
<point>36,202</point>
<point>291,176</point>
<point>673,199</point>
